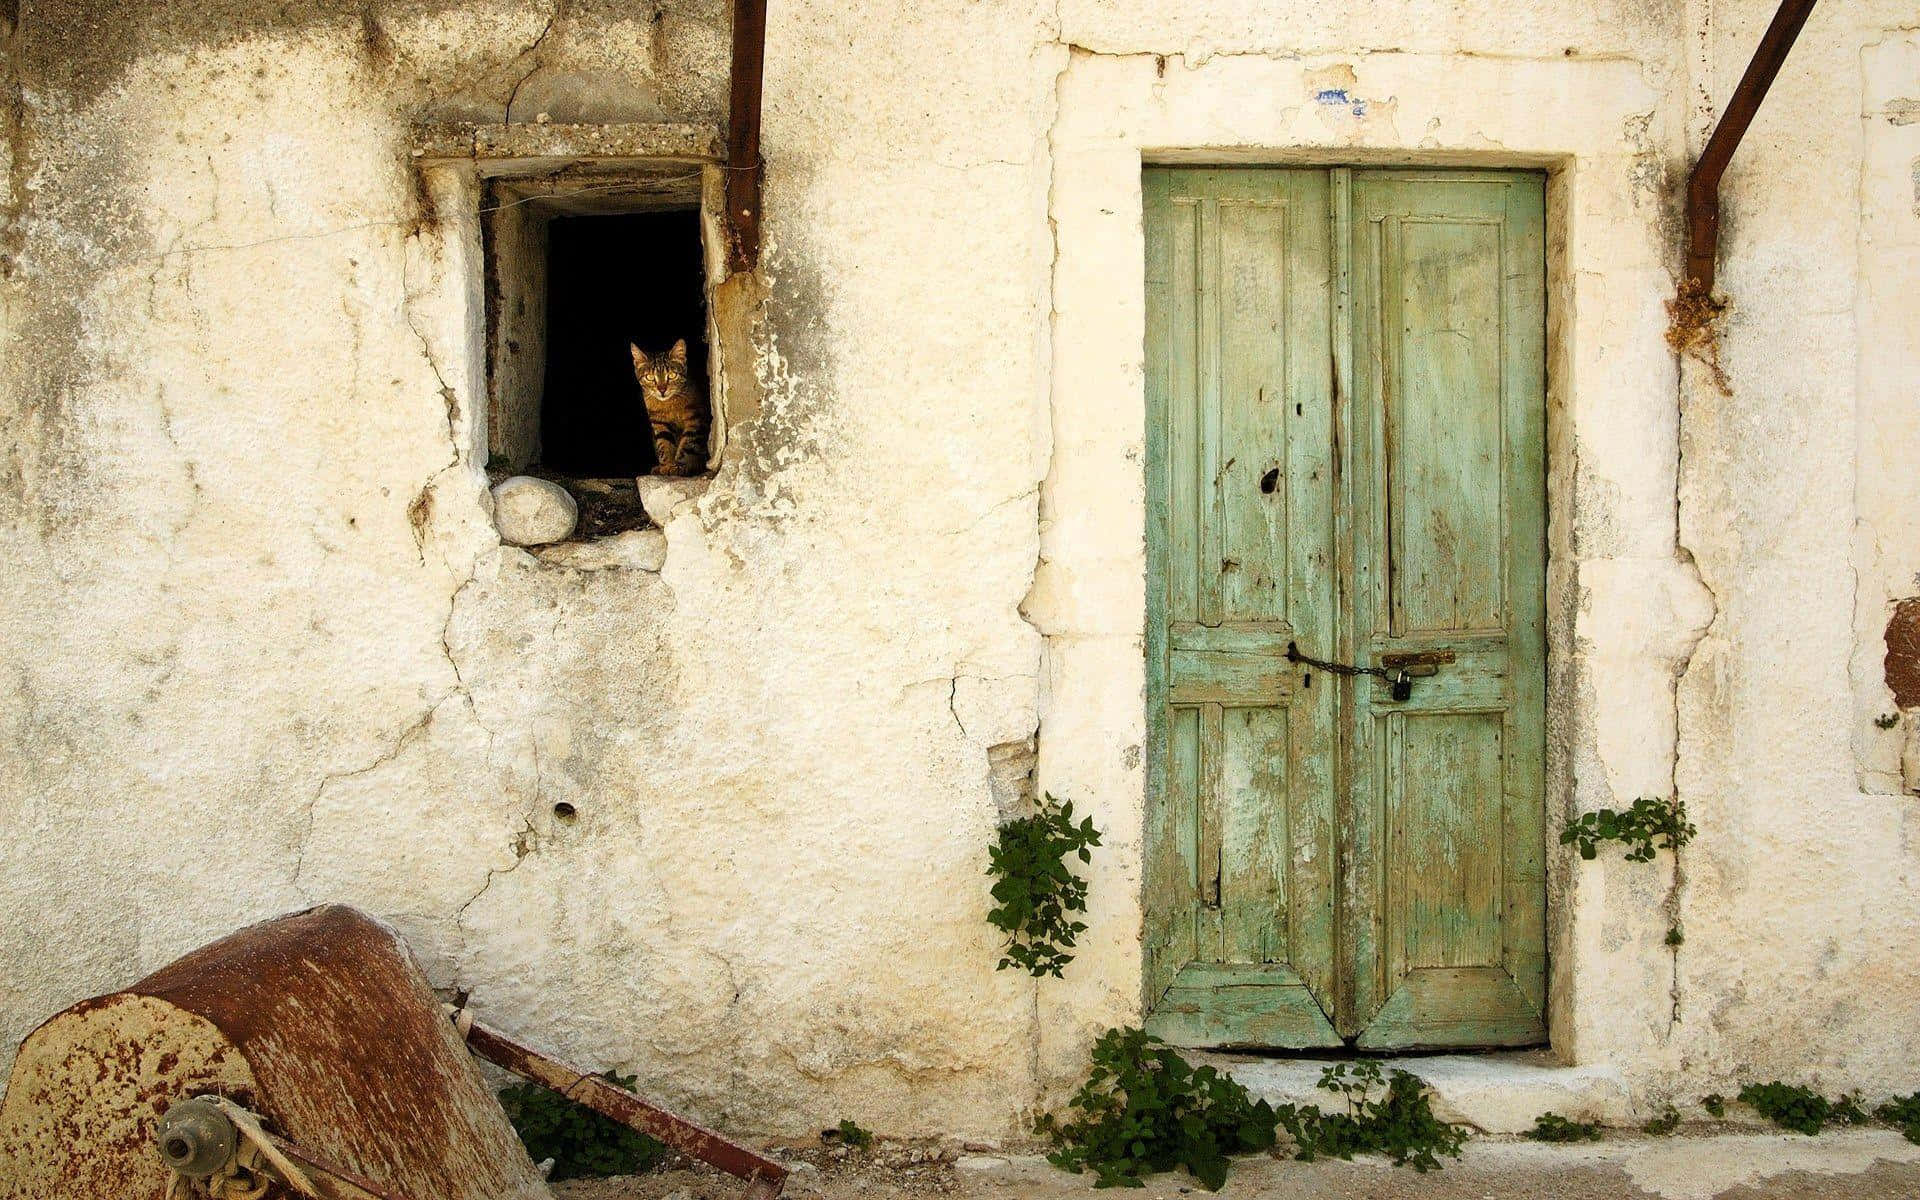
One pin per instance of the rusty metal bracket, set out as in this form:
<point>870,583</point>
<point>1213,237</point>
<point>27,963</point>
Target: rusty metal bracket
<point>766,1177</point>
<point>1417,662</point>
<point>744,166</point>
<point>1703,186</point>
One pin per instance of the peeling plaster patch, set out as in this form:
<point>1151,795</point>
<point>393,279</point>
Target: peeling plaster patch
<point>1700,1169</point>
<point>1334,90</point>
<point>1903,653</point>
<point>1904,111</point>
<point>1010,768</point>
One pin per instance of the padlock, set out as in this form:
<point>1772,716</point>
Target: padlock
<point>1402,686</point>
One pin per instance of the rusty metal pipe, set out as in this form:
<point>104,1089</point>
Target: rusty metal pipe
<point>1703,187</point>
<point>766,1176</point>
<point>744,166</point>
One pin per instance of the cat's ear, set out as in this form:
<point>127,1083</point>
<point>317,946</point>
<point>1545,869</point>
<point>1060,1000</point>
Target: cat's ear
<point>639,357</point>
<point>679,353</point>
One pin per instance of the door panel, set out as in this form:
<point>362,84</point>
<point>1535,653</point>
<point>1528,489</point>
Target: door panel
<point>1345,388</point>
<point>1445,859</point>
<point>1239,945</point>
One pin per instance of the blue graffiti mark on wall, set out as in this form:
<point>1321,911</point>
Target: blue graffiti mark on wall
<point>1340,97</point>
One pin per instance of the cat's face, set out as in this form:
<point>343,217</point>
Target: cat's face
<point>661,374</point>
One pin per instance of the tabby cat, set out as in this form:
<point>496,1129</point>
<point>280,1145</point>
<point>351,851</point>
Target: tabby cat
<point>677,409</point>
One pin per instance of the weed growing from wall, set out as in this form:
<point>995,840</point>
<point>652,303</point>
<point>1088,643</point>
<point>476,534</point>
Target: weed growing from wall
<point>581,1142</point>
<point>1035,892</point>
<point>848,1133</point>
<point>1637,828</point>
<point>1552,1127</point>
<point>1664,1124</point>
<point>1399,1123</point>
<point>1144,1109</point>
<point>1800,1109</point>
<point>1904,1112</point>
<point>1803,1110</point>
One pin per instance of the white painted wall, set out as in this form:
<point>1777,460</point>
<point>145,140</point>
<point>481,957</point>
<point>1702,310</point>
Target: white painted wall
<point>263,649</point>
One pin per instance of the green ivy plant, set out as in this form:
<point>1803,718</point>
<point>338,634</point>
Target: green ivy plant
<point>1636,828</point>
<point>581,1142</point>
<point>1789,1106</point>
<point>1399,1123</point>
<point>849,1133</point>
<point>1803,1110</point>
<point>1904,1112</point>
<point>1144,1109</point>
<point>1552,1127</point>
<point>1035,893</point>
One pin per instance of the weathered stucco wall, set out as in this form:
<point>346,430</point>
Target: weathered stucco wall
<point>263,647</point>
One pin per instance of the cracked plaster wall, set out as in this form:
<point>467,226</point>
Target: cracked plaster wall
<point>264,649</point>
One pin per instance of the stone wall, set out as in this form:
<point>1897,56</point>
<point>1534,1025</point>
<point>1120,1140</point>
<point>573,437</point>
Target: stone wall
<point>264,648</point>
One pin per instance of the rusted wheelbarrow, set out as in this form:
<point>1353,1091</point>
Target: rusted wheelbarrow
<point>305,1056</point>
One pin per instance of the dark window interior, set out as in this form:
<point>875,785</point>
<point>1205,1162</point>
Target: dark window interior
<point>612,280</point>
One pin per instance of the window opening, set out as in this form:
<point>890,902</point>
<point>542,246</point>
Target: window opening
<point>615,282</point>
<point>576,280</point>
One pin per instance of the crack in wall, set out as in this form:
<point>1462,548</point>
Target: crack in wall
<point>1703,114</point>
<point>525,844</point>
<point>448,396</point>
<point>394,750</point>
<point>559,10</point>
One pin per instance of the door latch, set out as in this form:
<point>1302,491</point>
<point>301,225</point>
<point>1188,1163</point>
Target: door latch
<point>1397,671</point>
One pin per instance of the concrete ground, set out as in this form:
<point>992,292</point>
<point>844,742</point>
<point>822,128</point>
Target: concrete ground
<point>1871,1164</point>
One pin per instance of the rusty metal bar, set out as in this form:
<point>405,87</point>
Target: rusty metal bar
<point>330,1180</point>
<point>744,165</point>
<point>1703,187</point>
<point>767,1176</point>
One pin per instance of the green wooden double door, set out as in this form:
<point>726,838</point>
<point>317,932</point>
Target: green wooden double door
<point>1346,463</point>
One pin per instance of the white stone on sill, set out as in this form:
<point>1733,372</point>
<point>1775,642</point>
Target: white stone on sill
<point>532,512</point>
<point>640,549</point>
<point>661,495</point>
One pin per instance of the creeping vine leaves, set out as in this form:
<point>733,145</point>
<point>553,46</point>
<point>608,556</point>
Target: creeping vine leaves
<point>1400,1123</point>
<point>1552,1127</point>
<point>1035,892</point>
<point>1903,1111</point>
<point>581,1142</point>
<point>1803,1110</point>
<point>1636,828</point>
<point>1144,1109</point>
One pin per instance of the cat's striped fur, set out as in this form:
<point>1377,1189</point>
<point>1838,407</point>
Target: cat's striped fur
<point>677,409</point>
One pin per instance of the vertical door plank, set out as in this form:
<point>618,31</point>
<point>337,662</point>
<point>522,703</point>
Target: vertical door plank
<point>1309,475</point>
<point>1252,520</point>
<point>1168,899</point>
<point>1254,843</point>
<point>1443,450</point>
<point>1525,453</point>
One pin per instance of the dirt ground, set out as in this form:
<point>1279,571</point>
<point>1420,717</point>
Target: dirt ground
<point>1849,1165</point>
